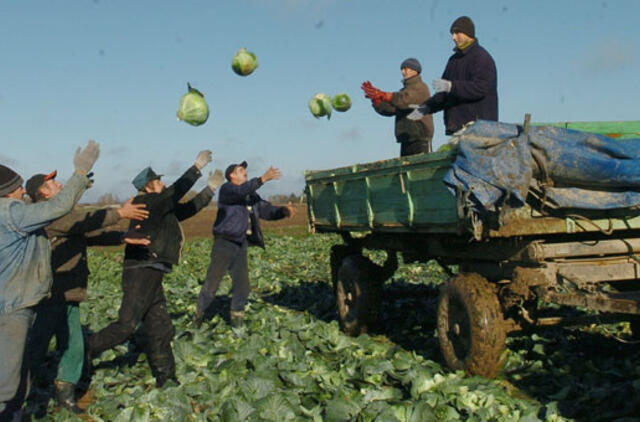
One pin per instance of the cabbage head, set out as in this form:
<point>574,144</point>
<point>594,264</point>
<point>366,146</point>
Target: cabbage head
<point>244,62</point>
<point>193,109</point>
<point>320,105</point>
<point>341,102</point>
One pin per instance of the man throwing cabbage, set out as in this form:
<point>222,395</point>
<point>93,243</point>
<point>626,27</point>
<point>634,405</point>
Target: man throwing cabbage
<point>413,134</point>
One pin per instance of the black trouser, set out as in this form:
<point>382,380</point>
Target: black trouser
<point>142,300</point>
<point>232,257</point>
<point>416,147</point>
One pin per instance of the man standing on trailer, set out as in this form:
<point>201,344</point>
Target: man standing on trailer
<point>468,89</point>
<point>413,134</point>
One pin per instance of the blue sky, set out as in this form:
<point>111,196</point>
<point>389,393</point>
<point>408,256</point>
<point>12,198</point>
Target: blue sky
<point>114,71</point>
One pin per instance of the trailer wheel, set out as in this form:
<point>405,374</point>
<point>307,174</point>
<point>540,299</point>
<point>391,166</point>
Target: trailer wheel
<point>471,327</point>
<point>357,295</point>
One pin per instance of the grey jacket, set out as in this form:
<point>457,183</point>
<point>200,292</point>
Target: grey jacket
<point>25,254</point>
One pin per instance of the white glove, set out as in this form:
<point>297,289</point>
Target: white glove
<point>441,85</point>
<point>215,180</point>
<point>203,158</point>
<point>85,158</point>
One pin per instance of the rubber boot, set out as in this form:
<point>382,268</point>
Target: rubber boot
<point>236,318</point>
<point>65,395</point>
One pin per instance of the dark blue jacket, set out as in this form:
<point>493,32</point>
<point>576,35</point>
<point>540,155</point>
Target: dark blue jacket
<point>233,217</point>
<point>474,90</point>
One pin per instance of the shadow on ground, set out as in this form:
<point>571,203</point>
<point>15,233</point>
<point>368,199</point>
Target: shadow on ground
<point>590,375</point>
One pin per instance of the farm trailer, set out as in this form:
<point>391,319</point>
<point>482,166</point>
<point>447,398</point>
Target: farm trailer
<point>509,261</point>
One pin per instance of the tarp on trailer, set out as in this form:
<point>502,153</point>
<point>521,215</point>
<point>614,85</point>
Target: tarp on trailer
<point>497,163</point>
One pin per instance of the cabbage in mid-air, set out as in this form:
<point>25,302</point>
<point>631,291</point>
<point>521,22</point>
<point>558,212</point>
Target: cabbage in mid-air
<point>244,62</point>
<point>320,105</point>
<point>341,102</point>
<point>193,109</point>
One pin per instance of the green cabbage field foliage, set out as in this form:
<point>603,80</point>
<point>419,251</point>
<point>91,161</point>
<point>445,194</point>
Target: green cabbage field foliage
<point>290,361</point>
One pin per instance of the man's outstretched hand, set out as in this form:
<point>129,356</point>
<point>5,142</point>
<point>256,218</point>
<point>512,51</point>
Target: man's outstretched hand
<point>133,211</point>
<point>271,174</point>
<point>291,211</point>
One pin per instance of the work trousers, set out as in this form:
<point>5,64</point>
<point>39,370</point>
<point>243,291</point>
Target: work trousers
<point>416,147</point>
<point>14,376</point>
<point>226,256</point>
<point>63,321</point>
<point>143,300</point>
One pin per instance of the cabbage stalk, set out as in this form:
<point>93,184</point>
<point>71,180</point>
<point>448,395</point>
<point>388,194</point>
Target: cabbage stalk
<point>341,102</point>
<point>193,109</point>
<point>320,105</point>
<point>244,62</point>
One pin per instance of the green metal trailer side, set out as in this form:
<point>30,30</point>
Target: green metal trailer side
<point>509,260</point>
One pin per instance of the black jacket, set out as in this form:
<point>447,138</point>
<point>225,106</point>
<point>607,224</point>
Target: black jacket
<point>474,90</point>
<point>163,227</point>
<point>234,216</point>
<point>415,92</point>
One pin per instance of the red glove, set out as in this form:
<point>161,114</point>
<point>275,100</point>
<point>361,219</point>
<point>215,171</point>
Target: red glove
<point>375,94</point>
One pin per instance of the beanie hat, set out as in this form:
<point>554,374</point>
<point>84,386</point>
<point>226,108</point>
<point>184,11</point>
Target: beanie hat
<point>411,63</point>
<point>9,180</point>
<point>465,25</point>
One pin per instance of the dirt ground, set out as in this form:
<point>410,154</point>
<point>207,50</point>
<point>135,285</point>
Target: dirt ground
<point>200,225</point>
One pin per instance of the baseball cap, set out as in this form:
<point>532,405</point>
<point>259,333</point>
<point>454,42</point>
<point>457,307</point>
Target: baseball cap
<point>37,180</point>
<point>144,177</point>
<point>231,168</point>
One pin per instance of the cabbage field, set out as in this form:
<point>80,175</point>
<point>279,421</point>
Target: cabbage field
<point>291,362</point>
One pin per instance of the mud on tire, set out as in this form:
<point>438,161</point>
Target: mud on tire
<point>357,295</point>
<point>471,327</point>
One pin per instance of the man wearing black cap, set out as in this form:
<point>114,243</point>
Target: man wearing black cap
<point>59,314</point>
<point>25,269</point>
<point>414,135</point>
<point>468,89</point>
<point>143,297</point>
<point>237,226</point>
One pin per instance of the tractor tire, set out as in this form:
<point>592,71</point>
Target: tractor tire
<point>471,328</point>
<point>357,295</point>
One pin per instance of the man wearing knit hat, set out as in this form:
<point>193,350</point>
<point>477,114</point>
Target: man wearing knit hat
<point>468,89</point>
<point>25,269</point>
<point>414,135</point>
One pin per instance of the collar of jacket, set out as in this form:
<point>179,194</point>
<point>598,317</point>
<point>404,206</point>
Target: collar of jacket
<point>412,80</point>
<point>468,48</point>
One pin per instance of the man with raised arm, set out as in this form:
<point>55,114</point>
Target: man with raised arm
<point>59,314</point>
<point>144,267</point>
<point>25,269</point>
<point>237,226</point>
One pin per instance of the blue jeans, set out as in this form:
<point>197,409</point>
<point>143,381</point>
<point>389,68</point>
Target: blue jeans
<point>14,380</point>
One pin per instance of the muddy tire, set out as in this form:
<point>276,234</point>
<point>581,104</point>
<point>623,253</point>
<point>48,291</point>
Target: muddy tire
<point>471,327</point>
<point>357,295</point>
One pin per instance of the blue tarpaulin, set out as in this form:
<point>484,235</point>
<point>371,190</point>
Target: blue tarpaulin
<point>497,162</point>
